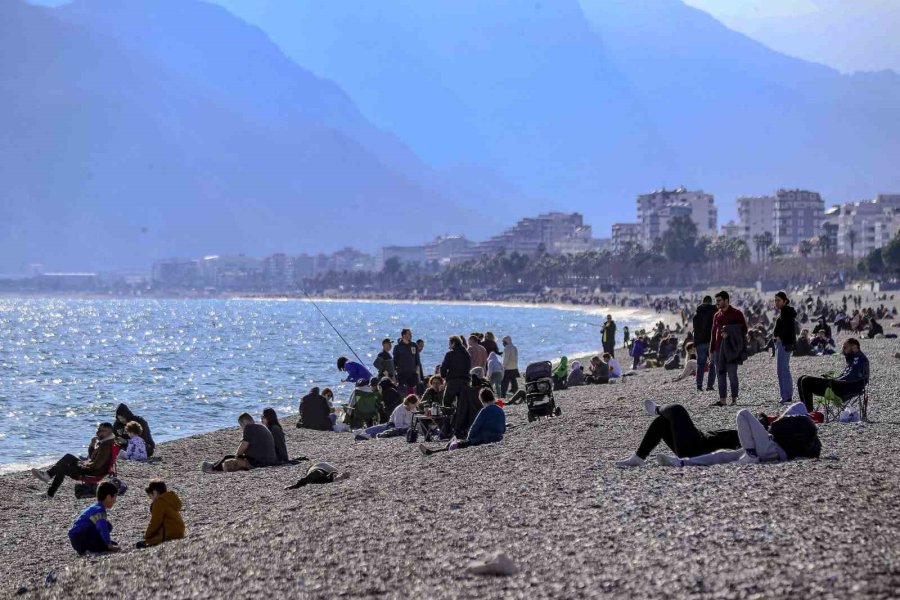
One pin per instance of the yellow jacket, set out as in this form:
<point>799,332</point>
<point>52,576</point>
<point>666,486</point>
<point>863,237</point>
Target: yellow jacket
<point>165,520</point>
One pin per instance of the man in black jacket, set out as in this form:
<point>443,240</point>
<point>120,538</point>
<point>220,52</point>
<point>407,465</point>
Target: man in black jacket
<point>703,320</point>
<point>407,362</point>
<point>455,371</point>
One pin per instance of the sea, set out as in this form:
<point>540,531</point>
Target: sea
<point>192,365</point>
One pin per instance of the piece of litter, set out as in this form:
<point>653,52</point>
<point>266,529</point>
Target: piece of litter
<point>500,564</point>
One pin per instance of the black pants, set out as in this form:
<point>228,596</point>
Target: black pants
<point>815,386</point>
<point>218,465</point>
<point>88,540</point>
<point>611,348</point>
<point>675,427</point>
<point>510,382</point>
<point>67,466</point>
<point>456,389</point>
<point>408,382</point>
<point>315,476</point>
<point>596,379</point>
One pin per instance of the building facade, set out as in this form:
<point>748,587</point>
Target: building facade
<point>533,234</point>
<point>798,216</point>
<point>625,235</point>
<point>865,226</point>
<point>756,216</point>
<point>656,209</point>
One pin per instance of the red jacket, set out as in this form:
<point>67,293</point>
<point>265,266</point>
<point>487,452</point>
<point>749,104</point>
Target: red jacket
<point>730,316</point>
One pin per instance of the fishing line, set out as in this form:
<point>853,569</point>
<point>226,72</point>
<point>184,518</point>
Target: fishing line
<point>327,320</point>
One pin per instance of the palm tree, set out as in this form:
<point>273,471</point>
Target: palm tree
<point>806,248</point>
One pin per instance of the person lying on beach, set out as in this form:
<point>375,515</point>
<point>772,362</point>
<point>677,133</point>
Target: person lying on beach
<point>322,472</point>
<point>792,435</point>
<point>576,377</point>
<point>100,456</point>
<point>165,515</point>
<point>488,428</point>
<point>673,425</point>
<point>315,413</point>
<point>257,449</point>
<point>397,425</point>
<point>125,416</point>
<point>91,530</point>
<point>137,448</point>
<point>355,371</point>
<point>270,420</point>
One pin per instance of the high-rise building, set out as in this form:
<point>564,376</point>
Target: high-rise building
<point>278,270</point>
<point>656,209</point>
<point>449,249</point>
<point>175,273</point>
<point>625,235</point>
<point>534,233</point>
<point>798,215</point>
<point>733,230</point>
<point>865,226</point>
<point>756,216</point>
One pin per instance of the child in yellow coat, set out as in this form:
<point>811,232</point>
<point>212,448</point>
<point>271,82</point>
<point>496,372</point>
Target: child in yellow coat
<point>165,515</point>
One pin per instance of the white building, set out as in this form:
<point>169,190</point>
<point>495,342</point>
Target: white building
<point>756,216</point>
<point>798,215</point>
<point>655,210</point>
<point>865,226</point>
<point>531,234</point>
<point>624,235</point>
<point>732,230</point>
<point>446,250</point>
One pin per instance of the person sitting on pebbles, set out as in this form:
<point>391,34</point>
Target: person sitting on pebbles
<point>488,428</point>
<point>91,530</point>
<point>398,424</point>
<point>257,449</point>
<point>165,515</point>
<point>100,457</point>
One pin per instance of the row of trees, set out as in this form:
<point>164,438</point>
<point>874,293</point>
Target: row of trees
<point>883,261</point>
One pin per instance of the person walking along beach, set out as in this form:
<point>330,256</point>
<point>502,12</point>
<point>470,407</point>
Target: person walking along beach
<point>785,336</point>
<point>510,368</point>
<point>728,339</point>
<point>703,324</point>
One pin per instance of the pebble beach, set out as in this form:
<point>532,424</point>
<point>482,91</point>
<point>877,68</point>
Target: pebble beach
<point>549,496</point>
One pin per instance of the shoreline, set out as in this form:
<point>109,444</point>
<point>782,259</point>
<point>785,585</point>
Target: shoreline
<point>460,506</point>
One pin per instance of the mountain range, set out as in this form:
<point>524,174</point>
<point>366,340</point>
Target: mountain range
<point>141,129</point>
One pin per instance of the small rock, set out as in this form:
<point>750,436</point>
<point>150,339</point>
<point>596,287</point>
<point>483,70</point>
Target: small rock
<point>500,564</point>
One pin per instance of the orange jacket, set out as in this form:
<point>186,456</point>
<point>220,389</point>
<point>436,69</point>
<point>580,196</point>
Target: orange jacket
<point>165,520</point>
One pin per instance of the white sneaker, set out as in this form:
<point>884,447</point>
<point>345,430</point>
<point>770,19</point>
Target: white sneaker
<point>633,461</point>
<point>42,475</point>
<point>669,461</point>
<point>206,467</point>
<point>651,407</point>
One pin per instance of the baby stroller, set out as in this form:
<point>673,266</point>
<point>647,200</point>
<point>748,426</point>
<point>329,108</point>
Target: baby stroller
<point>539,391</point>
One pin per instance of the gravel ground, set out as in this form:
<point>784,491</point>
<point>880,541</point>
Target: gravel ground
<point>404,525</point>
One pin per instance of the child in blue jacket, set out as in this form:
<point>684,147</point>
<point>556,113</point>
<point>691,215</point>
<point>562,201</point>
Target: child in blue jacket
<point>91,530</point>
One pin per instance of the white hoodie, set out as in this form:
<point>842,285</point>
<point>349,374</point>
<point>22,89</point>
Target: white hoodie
<point>401,418</point>
<point>510,355</point>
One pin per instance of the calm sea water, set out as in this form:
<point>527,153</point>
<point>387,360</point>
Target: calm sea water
<point>189,366</point>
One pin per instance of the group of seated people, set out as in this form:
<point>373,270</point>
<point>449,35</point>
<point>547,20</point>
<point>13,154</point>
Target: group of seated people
<point>261,445</point>
<point>600,369</point>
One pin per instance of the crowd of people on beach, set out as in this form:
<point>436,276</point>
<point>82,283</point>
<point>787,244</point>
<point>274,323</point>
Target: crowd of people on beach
<point>459,403</point>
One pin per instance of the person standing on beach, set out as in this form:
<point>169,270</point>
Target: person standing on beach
<point>490,343</point>
<point>626,334</point>
<point>785,336</point>
<point>477,353</point>
<point>726,317</point>
<point>510,368</point>
<point>407,362</point>
<point>384,362</point>
<point>455,371</point>
<point>608,336</point>
<point>703,325</point>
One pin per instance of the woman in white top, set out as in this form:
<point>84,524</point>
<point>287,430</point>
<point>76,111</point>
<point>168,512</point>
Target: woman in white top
<point>690,365</point>
<point>399,421</point>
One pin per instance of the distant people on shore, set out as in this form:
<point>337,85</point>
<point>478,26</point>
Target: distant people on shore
<point>852,380</point>
<point>355,371</point>
<point>637,351</point>
<point>729,339</point>
<point>364,407</point>
<point>510,368</point>
<point>608,336</point>
<point>407,362</point>
<point>576,376</point>
<point>488,428</point>
<point>490,343</point>
<point>256,449</point>
<point>626,336</point>
<point>561,374</point>
<point>598,370</point>
<point>784,336</point>
<point>91,531</point>
<point>102,453</point>
<point>125,416</point>
<point>166,523</point>
<point>615,369</point>
<point>270,420</point>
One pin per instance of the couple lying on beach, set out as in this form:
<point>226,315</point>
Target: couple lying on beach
<point>754,440</point>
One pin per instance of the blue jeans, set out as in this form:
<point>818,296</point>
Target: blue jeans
<point>729,369</point>
<point>702,356</point>
<point>783,366</point>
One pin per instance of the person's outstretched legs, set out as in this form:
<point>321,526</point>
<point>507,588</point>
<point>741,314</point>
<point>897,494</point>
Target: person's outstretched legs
<point>67,466</point>
<point>674,426</point>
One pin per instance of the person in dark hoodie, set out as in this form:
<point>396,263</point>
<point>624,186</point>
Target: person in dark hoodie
<point>784,336</point>
<point>314,412</point>
<point>852,380</point>
<point>455,371</point>
<point>100,456</point>
<point>703,321</point>
<point>390,398</point>
<point>123,417</point>
<point>407,362</point>
<point>270,420</point>
<point>384,362</point>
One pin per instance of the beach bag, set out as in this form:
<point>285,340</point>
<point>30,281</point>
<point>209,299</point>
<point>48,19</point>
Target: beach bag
<point>89,490</point>
<point>412,434</point>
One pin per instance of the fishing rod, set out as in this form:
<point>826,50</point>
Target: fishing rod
<point>327,320</point>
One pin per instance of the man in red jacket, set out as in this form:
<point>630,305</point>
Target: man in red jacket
<point>725,316</point>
